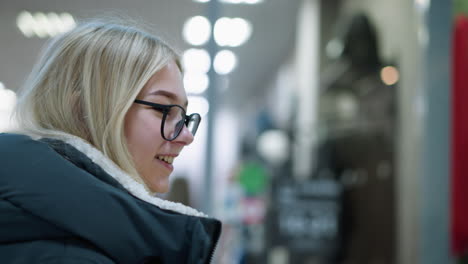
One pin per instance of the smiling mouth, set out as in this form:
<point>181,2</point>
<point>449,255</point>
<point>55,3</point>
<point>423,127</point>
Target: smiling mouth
<point>167,159</point>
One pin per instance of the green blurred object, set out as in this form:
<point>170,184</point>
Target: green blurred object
<point>253,178</point>
<point>460,6</point>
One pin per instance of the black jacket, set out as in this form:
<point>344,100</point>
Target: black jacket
<point>58,206</point>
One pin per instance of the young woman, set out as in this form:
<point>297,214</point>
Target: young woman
<point>102,117</point>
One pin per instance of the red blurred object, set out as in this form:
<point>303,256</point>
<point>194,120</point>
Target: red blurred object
<point>459,227</point>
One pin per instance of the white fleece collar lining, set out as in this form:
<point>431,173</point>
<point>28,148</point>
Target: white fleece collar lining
<point>135,188</point>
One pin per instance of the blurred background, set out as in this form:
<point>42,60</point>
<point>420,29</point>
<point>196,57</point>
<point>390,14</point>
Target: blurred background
<point>333,130</point>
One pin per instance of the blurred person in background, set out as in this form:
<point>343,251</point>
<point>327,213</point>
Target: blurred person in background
<point>101,118</point>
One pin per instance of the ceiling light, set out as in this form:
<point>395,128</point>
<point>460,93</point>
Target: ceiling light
<point>198,104</point>
<point>196,82</point>
<point>225,62</point>
<point>232,32</point>
<point>273,145</point>
<point>55,24</point>
<point>389,75</point>
<point>25,22</point>
<point>197,30</point>
<point>196,60</point>
<point>42,25</point>
<point>67,22</point>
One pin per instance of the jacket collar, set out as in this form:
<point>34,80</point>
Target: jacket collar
<point>133,186</point>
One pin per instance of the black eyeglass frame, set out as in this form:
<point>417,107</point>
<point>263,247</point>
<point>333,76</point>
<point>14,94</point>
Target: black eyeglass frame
<point>165,109</point>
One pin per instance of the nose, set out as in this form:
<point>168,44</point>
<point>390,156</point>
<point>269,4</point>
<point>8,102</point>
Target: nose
<point>185,137</point>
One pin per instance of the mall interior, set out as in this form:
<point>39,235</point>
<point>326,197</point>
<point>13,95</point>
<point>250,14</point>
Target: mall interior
<point>333,130</point>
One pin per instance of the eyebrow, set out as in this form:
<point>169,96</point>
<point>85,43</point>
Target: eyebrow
<point>168,95</point>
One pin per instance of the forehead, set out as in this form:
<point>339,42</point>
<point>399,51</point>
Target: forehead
<point>167,83</point>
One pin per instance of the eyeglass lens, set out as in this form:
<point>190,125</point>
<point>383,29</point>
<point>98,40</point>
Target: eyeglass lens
<point>175,121</point>
<point>194,121</point>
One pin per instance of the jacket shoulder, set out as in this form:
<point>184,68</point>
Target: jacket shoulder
<point>17,143</point>
<point>18,150</point>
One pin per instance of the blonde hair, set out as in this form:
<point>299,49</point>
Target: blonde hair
<point>86,80</point>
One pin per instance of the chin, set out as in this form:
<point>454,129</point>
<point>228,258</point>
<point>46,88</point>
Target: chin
<point>156,183</point>
<point>159,188</point>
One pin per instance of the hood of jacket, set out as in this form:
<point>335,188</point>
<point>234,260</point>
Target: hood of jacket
<point>74,147</point>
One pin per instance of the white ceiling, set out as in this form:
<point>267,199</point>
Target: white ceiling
<point>271,43</point>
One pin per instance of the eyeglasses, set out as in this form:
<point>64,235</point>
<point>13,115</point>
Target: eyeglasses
<point>173,120</point>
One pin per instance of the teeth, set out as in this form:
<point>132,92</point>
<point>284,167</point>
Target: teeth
<point>167,159</point>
